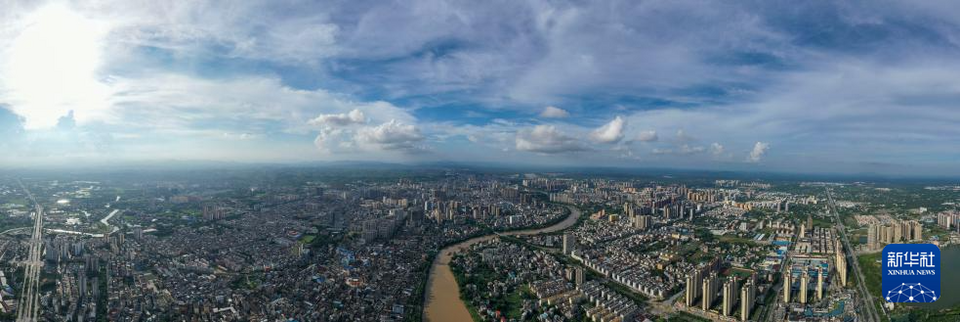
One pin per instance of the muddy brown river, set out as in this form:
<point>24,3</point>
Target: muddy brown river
<point>443,294</point>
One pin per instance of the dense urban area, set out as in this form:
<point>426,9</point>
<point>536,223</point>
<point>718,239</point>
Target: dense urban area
<point>343,244</point>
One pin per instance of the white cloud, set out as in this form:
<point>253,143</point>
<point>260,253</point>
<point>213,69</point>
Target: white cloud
<point>342,119</point>
<point>856,100</point>
<point>180,102</point>
<point>334,140</point>
<point>585,55</point>
<point>687,149</point>
<point>661,151</point>
<point>716,149</point>
<point>177,113</point>
<point>759,149</point>
<point>239,136</point>
<point>682,136</point>
<point>682,149</point>
<point>609,133</point>
<point>49,65</point>
<point>391,135</point>
<point>554,112</point>
<point>251,29</point>
<point>546,139</point>
<point>648,136</point>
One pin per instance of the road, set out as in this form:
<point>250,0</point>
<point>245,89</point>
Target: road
<point>773,310</point>
<point>665,307</point>
<point>869,309</point>
<point>13,230</point>
<point>29,297</point>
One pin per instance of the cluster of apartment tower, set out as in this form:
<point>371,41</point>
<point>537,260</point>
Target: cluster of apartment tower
<point>948,219</point>
<point>704,283</point>
<point>840,265</point>
<point>705,286</point>
<point>899,230</point>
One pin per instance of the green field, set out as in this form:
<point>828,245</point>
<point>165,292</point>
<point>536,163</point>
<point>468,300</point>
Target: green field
<point>307,239</point>
<point>871,272</point>
<point>870,267</point>
<point>739,272</point>
<point>733,239</point>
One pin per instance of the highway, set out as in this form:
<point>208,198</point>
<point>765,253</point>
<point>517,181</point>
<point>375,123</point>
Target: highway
<point>869,309</point>
<point>29,305</point>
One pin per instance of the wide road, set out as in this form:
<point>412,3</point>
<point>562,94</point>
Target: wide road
<point>869,309</point>
<point>29,296</point>
<point>443,293</point>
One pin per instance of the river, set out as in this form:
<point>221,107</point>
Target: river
<point>950,278</point>
<point>104,221</point>
<point>443,294</point>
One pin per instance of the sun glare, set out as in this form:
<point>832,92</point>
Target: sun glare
<point>52,67</point>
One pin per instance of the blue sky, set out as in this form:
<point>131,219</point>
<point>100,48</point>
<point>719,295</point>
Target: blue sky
<point>852,86</point>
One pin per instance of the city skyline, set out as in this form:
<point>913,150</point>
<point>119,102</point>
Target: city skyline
<point>405,244</point>
<point>852,87</point>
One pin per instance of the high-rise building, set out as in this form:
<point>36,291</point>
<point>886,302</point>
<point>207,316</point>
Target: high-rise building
<point>729,296</point>
<point>787,284</point>
<point>917,231</point>
<point>694,286</point>
<point>710,286</point>
<point>946,220</point>
<point>213,212</point>
<point>569,243</point>
<point>748,295</point>
<point>819,283</point>
<point>843,271</point>
<point>705,300</point>
<point>840,262</point>
<point>897,233</point>
<point>804,282</point>
<point>642,222</point>
<point>809,222</point>
<point>579,276</point>
<point>906,229</point>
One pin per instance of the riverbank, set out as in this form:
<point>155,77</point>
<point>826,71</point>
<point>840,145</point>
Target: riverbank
<point>443,293</point>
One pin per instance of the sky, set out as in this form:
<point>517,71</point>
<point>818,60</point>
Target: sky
<point>811,86</point>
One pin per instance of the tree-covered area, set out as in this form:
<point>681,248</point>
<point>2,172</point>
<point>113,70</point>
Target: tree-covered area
<point>483,284</point>
<point>899,198</point>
